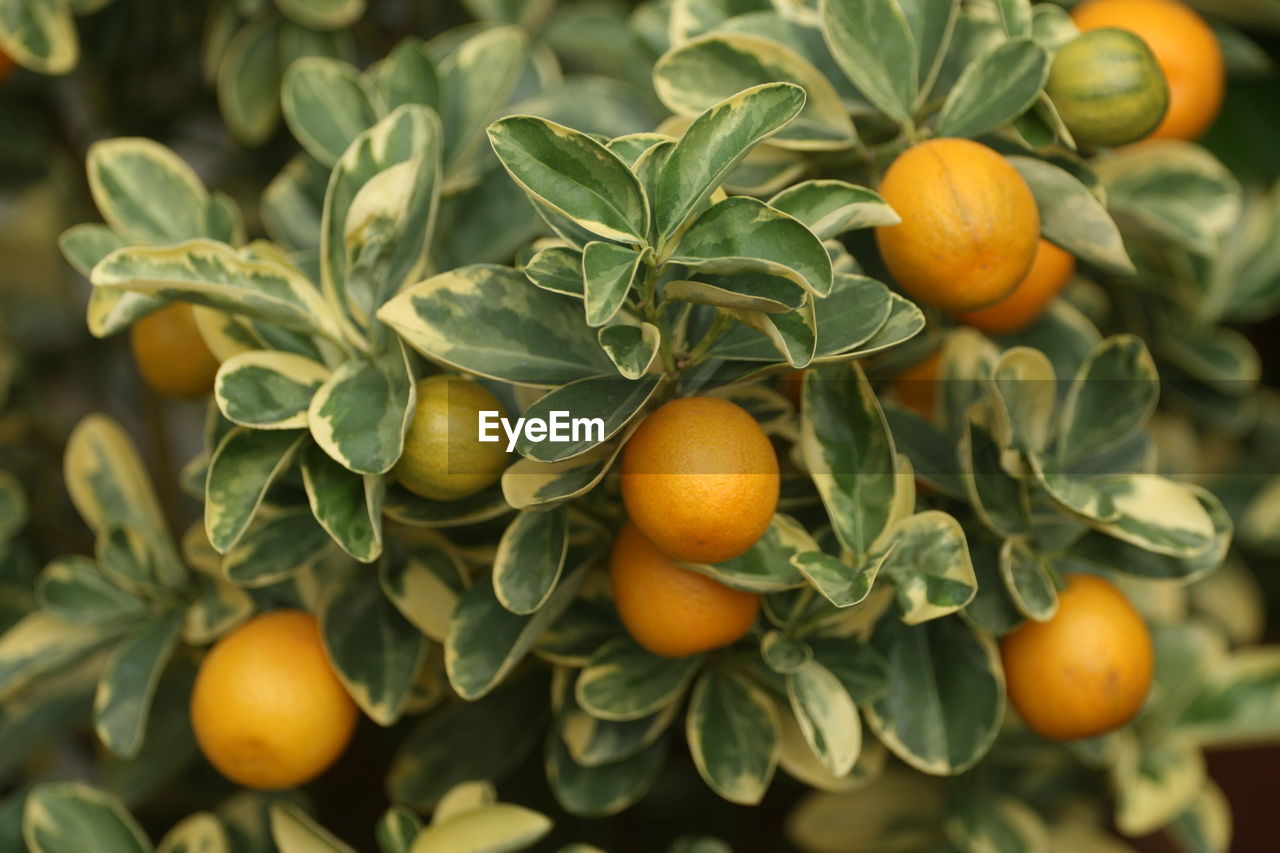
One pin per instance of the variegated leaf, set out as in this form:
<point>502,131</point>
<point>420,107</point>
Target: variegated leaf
<point>1072,217</point>
<point>323,14</point>
<point>326,106</point>
<point>263,389</point>
<point>478,78</point>
<point>241,470</point>
<point>873,43</point>
<point>123,700</point>
<point>623,682</point>
<point>827,716</point>
<point>487,320</point>
<point>608,274</point>
<point>276,546</point>
<point>361,413</point>
<point>198,833</point>
<point>733,735</point>
<point>249,80</point>
<point>530,558</point>
<point>829,208</point>
<point>74,590</point>
<point>348,506</point>
<point>40,643</point>
<point>407,76</point>
<point>570,409</point>
<point>39,34</point>
<point>60,816</point>
<point>930,566</point>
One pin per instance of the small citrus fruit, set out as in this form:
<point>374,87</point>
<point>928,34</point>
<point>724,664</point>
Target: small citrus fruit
<point>1086,670</point>
<point>1050,271</point>
<point>1186,48</point>
<point>700,479</point>
<point>171,353</point>
<point>969,224</point>
<point>1108,87</point>
<point>917,386</point>
<point>267,709</point>
<point>444,458</point>
<point>672,611</point>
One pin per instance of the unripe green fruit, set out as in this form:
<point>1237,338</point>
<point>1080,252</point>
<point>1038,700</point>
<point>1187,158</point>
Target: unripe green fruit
<point>443,458</point>
<point>1108,87</point>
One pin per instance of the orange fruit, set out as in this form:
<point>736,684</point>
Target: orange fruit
<point>917,386</point>
<point>1049,273</point>
<point>700,479</point>
<point>969,224</point>
<point>444,458</point>
<point>267,708</point>
<point>1085,671</point>
<point>1186,49</point>
<point>171,354</point>
<point>672,611</point>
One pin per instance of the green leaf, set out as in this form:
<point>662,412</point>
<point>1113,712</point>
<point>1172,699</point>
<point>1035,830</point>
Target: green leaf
<point>276,546</point>
<point>930,567</point>
<point>61,816</point>
<point>1029,580</point>
<point>379,211</point>
<point>557,269</point>
<point>293,204</point>
<point>996,88</point>
<point>605,789</point>
<point>713,145</point>
<point>40,35</point>
<point>767,565</point>
<point>1015,16</point>
<point>996,823</point>
<point>592,742</point>
<point>499,828</point>
<point>376,653</point>
<point>633,349</point>
<point>407,76</point>
<point>623,682</point>
<point>933,26</point>
<point>360,415</point>
<point>1112,396</point>
<point>294,831</point>
<point>1236,704</point>
<point>1072,217</point>
<point>1157,514</point>
<point>530,558</point>
<point>348,506</point>
<point>1026,388</point>
<point>699,73</point>
<point>1155,782</point>
<point>744,292</point>
<point>527,484</point>
<point>326,106</point>
<point>74,590</point>
<point>213,274</point>
<point>478,78</point>
<point>744,235</point>
<point>849,453</point>
<point>106,479</point>
<point>198,833</point>
<point>733,735</point>
<point>487,320</point>
<point>827,716</point>
<point>947,697</point>
<point>241,470</point>
<point>873,44</point>
<point>39,644</point>
<point>613,401</point>
<point>123,700</point>
<point>486,640</point>
<point>249,81</point>
<point>829,208</point>
<point>396,830</point>
<point>263,389</point>
<point>1175,190</point>
<point>840,583</point>
<point>1001,501</point>
<point>574,175</point>
<point>425,586</point>
<point>1205,825</point>
<point>145,192</point>
<point>465,741</point>
<point>608,272</point>
<point>323,14</point>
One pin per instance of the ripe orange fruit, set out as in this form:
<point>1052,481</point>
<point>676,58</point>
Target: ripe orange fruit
<point>267,708</point>
<point>171,354</point>
<point>700,479</point>
<point>444,458</point>
<point>1085,671</point>
<point>917,388</point>
<point>671,611</point>
<point>1186,48</point>
<point>1050,271</point>
<point>969,224</point>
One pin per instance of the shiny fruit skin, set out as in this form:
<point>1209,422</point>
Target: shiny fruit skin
<point>444,459</point>
<point>171,353</point>
<point>1186,48</point>
<point>700,479</point>
<point>917,386</point>
<point>669,610</point>
<point>1049,273</point>
<point>1108,87</point>
<point>267,708</point>
<point>1085,671</point>
<point>969,224</point>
